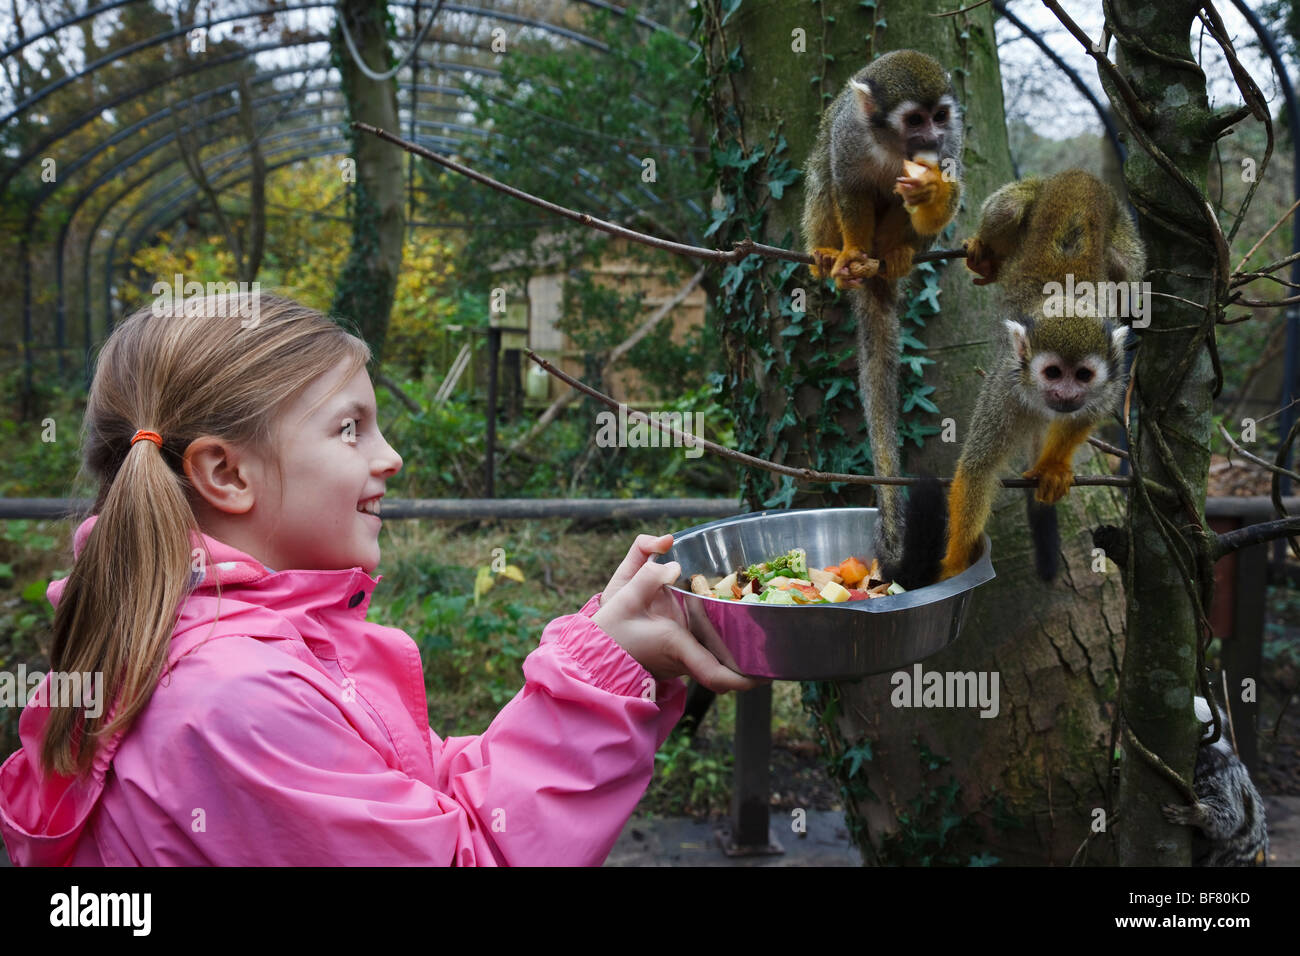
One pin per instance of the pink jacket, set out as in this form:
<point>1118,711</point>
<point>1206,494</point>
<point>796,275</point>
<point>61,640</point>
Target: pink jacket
<point>288,730</point>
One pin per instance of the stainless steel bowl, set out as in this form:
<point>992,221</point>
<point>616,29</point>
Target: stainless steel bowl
<point>820,641</point>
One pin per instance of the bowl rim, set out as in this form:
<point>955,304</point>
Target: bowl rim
<point>978,573</point>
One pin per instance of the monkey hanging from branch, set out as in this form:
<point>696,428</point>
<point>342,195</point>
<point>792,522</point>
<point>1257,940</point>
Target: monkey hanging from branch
<point>1060,373</point>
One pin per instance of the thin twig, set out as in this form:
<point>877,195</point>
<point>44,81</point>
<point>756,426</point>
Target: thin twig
<point>1256,459</point>
<point>1272,229</point>
<point>953,13</point>
<point>803,474</point>
<point>1107,447</point>
<point>743,248</point>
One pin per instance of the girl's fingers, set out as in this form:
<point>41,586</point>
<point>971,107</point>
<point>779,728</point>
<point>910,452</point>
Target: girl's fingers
<point>637,556</point>
<point>648,582</point>
<point>706,669</point>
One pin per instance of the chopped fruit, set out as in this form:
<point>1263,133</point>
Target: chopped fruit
<point>835,593</point>
<point>820,579</point>
<point>852,571</point>
<point>788,579</point>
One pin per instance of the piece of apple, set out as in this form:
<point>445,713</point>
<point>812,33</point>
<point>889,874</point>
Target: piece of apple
<point>835,593</point>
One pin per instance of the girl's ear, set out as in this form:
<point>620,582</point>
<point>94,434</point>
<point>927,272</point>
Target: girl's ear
<point>221,474</point>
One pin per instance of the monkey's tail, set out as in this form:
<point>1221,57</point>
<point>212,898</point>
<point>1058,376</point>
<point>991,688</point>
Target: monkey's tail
<point>1046,533</point>
<point>875,308</point>
<point>925,534</point>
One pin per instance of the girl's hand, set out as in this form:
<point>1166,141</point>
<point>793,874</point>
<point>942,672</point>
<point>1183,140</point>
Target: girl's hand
<point>644,619</point>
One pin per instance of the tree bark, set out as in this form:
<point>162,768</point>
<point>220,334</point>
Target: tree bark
<point>369,278</point>
<point>1160,679</point>
<point>1027,780</point>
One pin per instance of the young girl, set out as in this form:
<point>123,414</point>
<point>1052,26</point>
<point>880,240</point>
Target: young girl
<point>251,715</point>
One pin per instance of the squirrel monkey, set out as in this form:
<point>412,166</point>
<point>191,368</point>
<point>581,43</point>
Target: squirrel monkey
<point>881,182</point>
<point>1062,374</point>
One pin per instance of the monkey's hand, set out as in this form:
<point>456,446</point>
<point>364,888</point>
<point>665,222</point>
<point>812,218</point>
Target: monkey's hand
<point>852,267</point>
<point>1055,476</point>
<point>981,261</point>
<point>1186,816</point>
<point>823,261</point>
<point>927,196</point>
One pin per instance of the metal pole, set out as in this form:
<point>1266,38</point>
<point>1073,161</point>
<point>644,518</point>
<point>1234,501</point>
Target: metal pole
<point>494,347</point>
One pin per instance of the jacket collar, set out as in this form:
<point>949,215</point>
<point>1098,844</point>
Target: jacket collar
<point>238,575</point>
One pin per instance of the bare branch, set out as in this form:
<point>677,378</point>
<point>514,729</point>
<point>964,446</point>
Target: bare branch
<point>1253,534</point>
<point>746,247</point>
<point>803,474</point>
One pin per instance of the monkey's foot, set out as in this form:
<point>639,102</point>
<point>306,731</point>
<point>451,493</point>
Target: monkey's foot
<point>853,267</point>
<point>981,261</point>
<point>823,261</point>
<point>896,263</point>
<point>1054,480</point>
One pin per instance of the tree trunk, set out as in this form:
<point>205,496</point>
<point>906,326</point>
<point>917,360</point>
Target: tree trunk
<point>1160,658</point>
<point>944,785</point>
<point>369,278</point>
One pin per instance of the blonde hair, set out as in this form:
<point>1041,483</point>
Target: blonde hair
<point>184,371</point>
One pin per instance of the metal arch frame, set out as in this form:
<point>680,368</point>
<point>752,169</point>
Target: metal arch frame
<point>168,137</point>
<point>111,174</point>
<point>1107,121</point>
<point>95,111</point>
<point>161,195</point>
<point>176,200</point>
<point>326,148</point>
<point>161,38</point>
<point>116,4</point>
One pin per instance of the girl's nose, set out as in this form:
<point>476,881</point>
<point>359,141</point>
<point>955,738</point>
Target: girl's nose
<point>389,462</point>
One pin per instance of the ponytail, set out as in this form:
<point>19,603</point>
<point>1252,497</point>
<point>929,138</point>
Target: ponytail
<point>120,602</point>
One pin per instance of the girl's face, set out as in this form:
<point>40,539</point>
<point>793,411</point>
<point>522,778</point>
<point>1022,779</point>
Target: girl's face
<point>333,464</point>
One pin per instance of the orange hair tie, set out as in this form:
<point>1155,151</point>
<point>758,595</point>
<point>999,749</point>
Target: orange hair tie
<point>150,436</point>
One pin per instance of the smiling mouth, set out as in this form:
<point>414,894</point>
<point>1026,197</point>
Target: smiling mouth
<point>370,507</point>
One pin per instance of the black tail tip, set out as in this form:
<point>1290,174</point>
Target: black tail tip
<point>925,536</point>
<point>1046,534</point>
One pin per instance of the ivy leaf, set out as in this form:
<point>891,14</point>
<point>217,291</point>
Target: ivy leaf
<point>917,399</point>
<point>984,859</point>
<point>931,295</point>
<point>856,756</point>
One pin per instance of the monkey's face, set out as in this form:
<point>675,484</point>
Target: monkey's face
<point>1066,386</point>
<point>924,128</point>
<point>1060,377</point>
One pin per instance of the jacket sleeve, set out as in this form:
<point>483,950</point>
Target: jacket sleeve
<point>284,778</point>
<point>560,770</point>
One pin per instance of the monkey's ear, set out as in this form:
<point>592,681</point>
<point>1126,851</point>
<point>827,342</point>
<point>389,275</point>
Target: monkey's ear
<point>1019,339</point>
<point>866,100</point>
<point>1119,338</point>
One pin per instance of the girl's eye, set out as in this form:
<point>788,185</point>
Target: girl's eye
<point>348,430</point>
